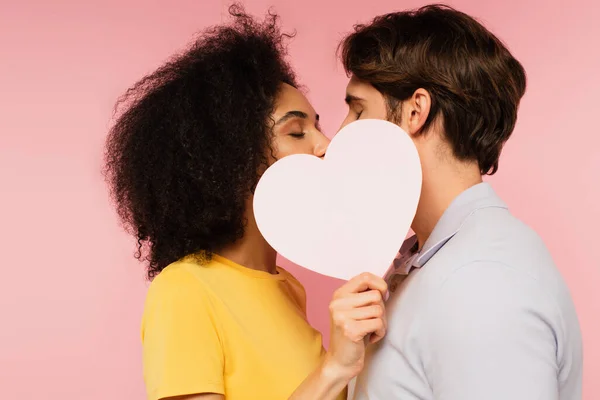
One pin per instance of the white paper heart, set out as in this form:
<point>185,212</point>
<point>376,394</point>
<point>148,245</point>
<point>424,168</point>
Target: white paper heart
<point>349,212</point>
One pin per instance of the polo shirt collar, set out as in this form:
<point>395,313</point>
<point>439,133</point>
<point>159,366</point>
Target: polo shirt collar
<point>464,205</point>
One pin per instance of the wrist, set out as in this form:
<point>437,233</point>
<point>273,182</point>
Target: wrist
<point>326,382</point>
<point>335,372</point>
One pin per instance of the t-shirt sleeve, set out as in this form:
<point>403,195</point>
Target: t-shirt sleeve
<point>182,351</point>
<point>491,334</point>
<point>296,290</point>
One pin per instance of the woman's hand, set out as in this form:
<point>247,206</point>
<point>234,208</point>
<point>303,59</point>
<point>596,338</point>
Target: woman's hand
<point>358,318</point>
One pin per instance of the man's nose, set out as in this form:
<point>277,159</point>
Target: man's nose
<point>344,123</point>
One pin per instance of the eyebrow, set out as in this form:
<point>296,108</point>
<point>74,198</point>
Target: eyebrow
<point>294,114</point>
<point>351,98</point>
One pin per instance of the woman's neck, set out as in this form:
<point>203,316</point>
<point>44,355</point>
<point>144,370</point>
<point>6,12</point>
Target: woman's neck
<point>252,250</point>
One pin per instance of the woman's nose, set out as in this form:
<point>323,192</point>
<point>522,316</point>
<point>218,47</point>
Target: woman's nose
<point>321,146</point>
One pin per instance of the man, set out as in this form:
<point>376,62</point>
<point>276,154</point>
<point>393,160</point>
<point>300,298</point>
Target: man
<point>483,313</point>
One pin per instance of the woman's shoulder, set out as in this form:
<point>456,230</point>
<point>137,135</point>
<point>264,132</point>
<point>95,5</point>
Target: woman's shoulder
<point>297,288</point>
<point>183,277</point>
<point>288,276</point>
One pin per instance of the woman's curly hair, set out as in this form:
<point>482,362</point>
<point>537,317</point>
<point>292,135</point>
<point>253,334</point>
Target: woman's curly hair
<point>189,141</point>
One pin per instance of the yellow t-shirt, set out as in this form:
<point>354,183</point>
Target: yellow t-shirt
<point>223,328</point>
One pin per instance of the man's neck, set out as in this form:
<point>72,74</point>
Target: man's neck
<point>441,185</point>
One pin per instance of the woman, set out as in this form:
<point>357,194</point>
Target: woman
<point>221,320</point>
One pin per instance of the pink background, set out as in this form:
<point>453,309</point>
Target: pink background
<point>70,292</point>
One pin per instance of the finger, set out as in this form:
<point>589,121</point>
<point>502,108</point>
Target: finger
<point>367,312</point>
<point>379,334</point>
<point>374,326</point>
<point>355,300</point>
<point>374,338</point>
<point>361,283</point>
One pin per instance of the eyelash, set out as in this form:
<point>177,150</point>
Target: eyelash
<point>299,135</point>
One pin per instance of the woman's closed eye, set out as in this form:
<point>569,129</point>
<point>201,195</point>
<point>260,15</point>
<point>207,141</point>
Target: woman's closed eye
<point>298,135</point>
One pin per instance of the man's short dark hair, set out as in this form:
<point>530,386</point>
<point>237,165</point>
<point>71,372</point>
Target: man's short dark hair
<point>474,82</point>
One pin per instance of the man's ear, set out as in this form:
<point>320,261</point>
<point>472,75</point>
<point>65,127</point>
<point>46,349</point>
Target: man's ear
<point>415,111</point>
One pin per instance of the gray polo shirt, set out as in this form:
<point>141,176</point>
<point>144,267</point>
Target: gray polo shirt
<point>483,314</point>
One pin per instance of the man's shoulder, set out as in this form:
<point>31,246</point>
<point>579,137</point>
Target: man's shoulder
<point>497,237</point>
<point>500,228</point>
<point>496,253</point>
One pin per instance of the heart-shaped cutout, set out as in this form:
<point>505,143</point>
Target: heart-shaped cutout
<point>348,212</point>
